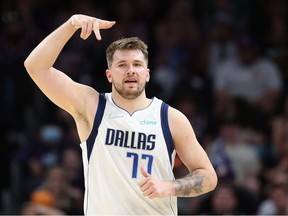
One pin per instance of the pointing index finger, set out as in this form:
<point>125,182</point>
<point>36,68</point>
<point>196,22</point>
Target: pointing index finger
<point>104,24</point>
<point>101,24</point>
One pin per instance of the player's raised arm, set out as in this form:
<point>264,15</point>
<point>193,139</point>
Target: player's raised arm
<point>56,85</point>
<point>39,63</point>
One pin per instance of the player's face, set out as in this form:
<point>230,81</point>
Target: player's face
<point>128,73</point>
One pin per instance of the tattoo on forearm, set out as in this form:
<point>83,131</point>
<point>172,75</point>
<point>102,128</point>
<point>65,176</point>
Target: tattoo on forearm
<point>189,185</point>
<point>198,184</point>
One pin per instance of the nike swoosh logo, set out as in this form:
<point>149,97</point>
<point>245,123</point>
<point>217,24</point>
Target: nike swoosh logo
<point>111,116</point>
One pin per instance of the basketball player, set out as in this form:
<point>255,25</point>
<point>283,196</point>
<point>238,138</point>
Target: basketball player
<point>128,140</point>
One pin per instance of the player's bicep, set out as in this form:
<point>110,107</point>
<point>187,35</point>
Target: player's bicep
<point>186,144</point>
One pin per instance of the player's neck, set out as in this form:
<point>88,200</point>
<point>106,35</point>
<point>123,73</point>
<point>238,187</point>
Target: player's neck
<point>131,105</point>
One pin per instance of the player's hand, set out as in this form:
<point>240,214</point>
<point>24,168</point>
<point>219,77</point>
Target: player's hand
<point>89,24</point>
<point>154,188</point>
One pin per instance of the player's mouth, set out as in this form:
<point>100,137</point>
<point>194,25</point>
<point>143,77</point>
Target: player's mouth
<point>130,80</point>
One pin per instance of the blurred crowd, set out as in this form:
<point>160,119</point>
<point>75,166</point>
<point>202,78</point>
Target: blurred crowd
<point>223,63</point>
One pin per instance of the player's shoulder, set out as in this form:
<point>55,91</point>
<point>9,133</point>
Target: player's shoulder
<point>172,111</point>
<point>175,114</point>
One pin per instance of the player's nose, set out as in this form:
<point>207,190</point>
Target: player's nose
<point>130,69</point>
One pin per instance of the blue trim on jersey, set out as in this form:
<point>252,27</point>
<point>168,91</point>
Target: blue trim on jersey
<point>98,118</point>
<point>166,130</point>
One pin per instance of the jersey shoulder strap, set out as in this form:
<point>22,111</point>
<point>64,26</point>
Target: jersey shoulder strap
<point>97,121</point>
<point>166,130</point>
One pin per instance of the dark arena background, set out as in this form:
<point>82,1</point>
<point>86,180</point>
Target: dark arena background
<point>223,63</point>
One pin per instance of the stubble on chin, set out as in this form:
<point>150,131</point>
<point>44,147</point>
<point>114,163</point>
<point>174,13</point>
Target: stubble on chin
<point>129,94</point>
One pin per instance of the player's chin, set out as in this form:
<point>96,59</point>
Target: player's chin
<point>130,95</point>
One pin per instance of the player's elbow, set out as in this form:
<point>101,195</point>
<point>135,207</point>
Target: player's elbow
<point>213,179</point>
<point>27,65</point>
<point>30,66</point>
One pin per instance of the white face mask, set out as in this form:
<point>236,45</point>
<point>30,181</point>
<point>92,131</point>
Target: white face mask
<point>50,134</point>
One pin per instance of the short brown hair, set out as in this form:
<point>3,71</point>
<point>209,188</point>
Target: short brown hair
<point>131,43</point>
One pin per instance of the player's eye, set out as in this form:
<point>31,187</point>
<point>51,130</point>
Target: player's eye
<point>121,65</point>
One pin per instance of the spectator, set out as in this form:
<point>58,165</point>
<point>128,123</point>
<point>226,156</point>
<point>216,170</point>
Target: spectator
<point>253,78</point>
<point>224,201</point>
<point>221,44</point>
<point>58,193</point>
<point>277,200</point>
<point>177,40</point>
<point>72,166</point>
<point>30,208</point>
<point>228,148</point>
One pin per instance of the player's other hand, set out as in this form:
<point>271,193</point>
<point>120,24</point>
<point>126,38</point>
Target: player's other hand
<point>89,24</point>
<point>154,188</point>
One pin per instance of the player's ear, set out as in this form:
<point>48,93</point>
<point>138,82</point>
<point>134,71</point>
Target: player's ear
<point>108,75</point>
<point>148,75</point>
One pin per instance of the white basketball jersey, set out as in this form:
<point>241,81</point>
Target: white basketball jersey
<point>118,146</point>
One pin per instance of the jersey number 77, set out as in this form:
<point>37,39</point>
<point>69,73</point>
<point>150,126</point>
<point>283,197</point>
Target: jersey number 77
<point>136,159</point>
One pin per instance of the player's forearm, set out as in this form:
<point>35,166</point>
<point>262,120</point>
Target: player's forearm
<point>195,183</point>
<point>45,54</point>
